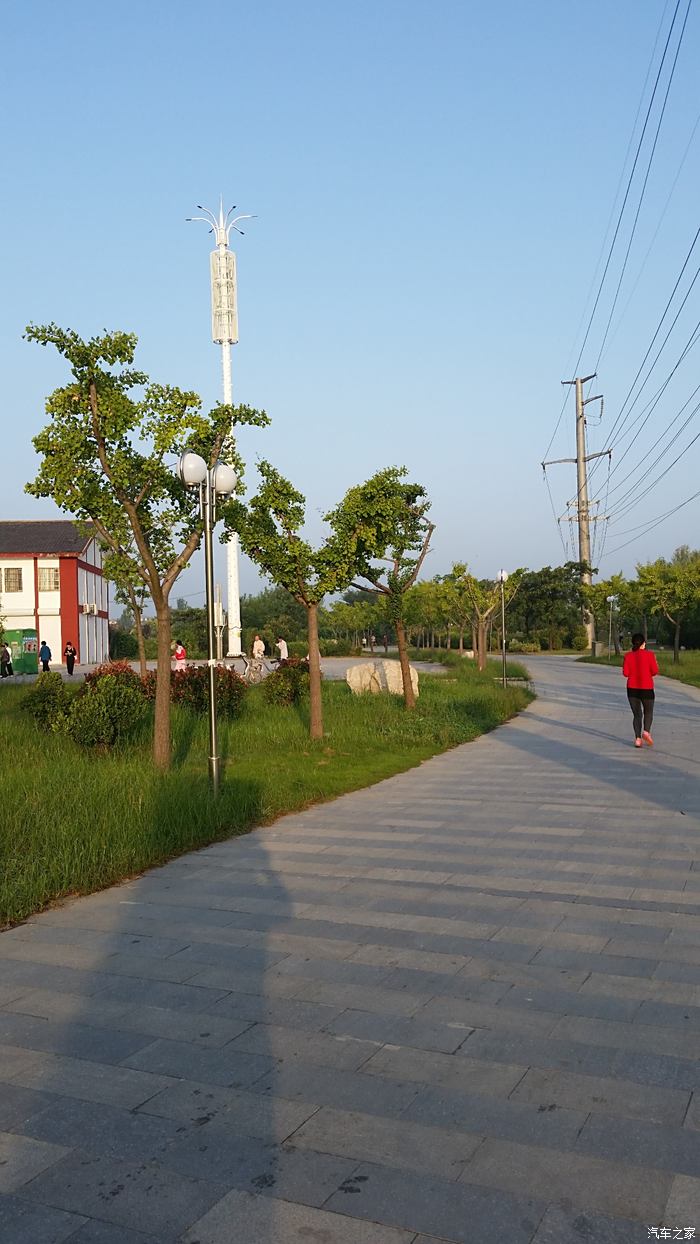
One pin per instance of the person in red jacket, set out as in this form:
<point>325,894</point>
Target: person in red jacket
<point>640,668</point>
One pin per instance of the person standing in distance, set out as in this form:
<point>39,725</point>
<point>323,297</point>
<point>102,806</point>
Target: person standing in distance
<point>283,649</point>
<point>258,649</point>
<point>44,656</point>
<point>640,669</point>
<point>70,653</point>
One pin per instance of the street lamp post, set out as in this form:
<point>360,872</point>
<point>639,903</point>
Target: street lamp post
<point>502,578</point>
<point>216,481</point>
<point>611,601</point>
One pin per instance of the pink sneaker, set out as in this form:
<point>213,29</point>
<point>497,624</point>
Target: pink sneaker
<point>637,742</point>
<point>647,738</point>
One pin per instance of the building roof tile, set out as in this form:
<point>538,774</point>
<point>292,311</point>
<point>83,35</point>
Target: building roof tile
<point>50,538</point>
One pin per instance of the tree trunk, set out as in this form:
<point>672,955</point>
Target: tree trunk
<point>315,702</point>
<point>138,626</point>
<point>409,697</point>
<point>461,640</point>
<point>645,626</point>
<point>616,640</point>
<point>676,643</point>
<point>481,644</point>
<point>161,726</point>
<point>475,640</point>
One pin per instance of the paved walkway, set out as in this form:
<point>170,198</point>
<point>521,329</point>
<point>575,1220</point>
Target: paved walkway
<point>462,1005</point>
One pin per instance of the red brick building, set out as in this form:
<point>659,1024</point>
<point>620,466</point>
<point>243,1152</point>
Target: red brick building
<point>51,581</point>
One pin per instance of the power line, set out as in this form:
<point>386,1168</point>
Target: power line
<point>615,199</point>
<point>661,518</point>
<point>656,231</point>
<point>644,183</point>
<point>659,326</point>
<point>628,502</point>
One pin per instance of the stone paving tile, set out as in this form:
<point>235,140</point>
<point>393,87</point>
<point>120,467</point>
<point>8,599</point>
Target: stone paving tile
<point>397,1030</point>
<point>264,1220</point>
<point>21,1158</point>
<point>291,1044</point>
<point>183,1060</point>
<point>461,1074</point>
<point>74,1040</point>
<point>642,1037</point>
<point>15,1061</point>
<point>692,1118</point>
<point>361,998</point>
<point>496,1117</point>
<point>602,1095</point>
<point>572,1226</point>
<point>130,990</point>
<point>643,1143</point>
<point>265,1116</point>
<point>500,1018</point>
<point>450,1211</point>
<point>18,1104</point>
<point>614,1188</point>
<point>35,932</point>
<point>595,1006</point>
<point>95,1232</point>
<point>255,1008</point>
<point>345,1090</point>
<point>143,1197</point>
<point>23,1222</point>
<point>68,1007</point>
<point>88,1081</point>
<point>99,1129</point>
<point>684,1202</point>
<point>370,1138</point>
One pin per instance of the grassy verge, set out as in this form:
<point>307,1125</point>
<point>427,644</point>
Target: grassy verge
<point>73,822</point>
<point>687,670</point>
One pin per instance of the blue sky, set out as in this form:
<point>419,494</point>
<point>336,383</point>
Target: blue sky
<point>433,186</point>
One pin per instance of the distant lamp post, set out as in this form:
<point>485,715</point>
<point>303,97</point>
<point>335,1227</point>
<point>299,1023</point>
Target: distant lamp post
<point>212,482</point>
<point>611,601</point>
<point>502,579</point>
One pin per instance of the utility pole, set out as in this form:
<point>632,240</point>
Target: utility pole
<point>581,504</point>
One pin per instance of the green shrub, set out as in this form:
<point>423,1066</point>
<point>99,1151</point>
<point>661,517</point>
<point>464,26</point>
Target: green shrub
<point>48,702</point>
<point>579,639</point>
<point>106,711</point>
<point>120,671</point>
<point>288,683</point>
<point>123,645</point>
<point>524,645</point>
<point>190,687</point>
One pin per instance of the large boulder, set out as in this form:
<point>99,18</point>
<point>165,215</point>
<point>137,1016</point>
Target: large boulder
<point>378,676</point>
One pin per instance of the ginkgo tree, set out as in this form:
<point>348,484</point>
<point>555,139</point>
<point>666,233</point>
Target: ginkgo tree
<point>107,456</point>
<point>386,520</point>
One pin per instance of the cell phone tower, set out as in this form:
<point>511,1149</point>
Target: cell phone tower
<point>224,331</point>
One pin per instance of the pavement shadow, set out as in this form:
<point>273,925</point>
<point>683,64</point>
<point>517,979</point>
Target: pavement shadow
<point>150,1024</point>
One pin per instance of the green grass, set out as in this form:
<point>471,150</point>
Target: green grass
<point>687,670</point>
<point>74,821</point>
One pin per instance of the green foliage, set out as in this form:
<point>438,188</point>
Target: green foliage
<point>106,711</point>
<point>120,671</point>
<point>288,683</point>
<point>139,818</point>
<point>274,610</point>
<point>106,457</point>
<point>579,639</point>
<point>524,645</point>
<point>190,688</point>
<point>48,702</point>
<point>123,645</point>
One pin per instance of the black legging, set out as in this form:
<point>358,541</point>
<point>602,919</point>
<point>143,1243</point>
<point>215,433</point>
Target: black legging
<point>642,705</point>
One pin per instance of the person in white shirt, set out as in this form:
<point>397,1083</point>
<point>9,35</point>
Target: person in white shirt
<point>283,649</point>
<point>258,648</point>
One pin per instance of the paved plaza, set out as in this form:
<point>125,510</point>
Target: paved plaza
<point>462,1005</point>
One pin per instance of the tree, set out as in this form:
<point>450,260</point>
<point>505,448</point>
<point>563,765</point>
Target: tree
<point>105,457</point>
<point>130,591</point>
<point>549,603</point>
<point>673,589</point>
<point>387,520</point>
<point>269,530</point>
<point>458,600</point>
<point>485,596</point>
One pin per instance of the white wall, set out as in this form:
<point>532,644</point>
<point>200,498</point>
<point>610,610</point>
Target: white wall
<point>16,605</point>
